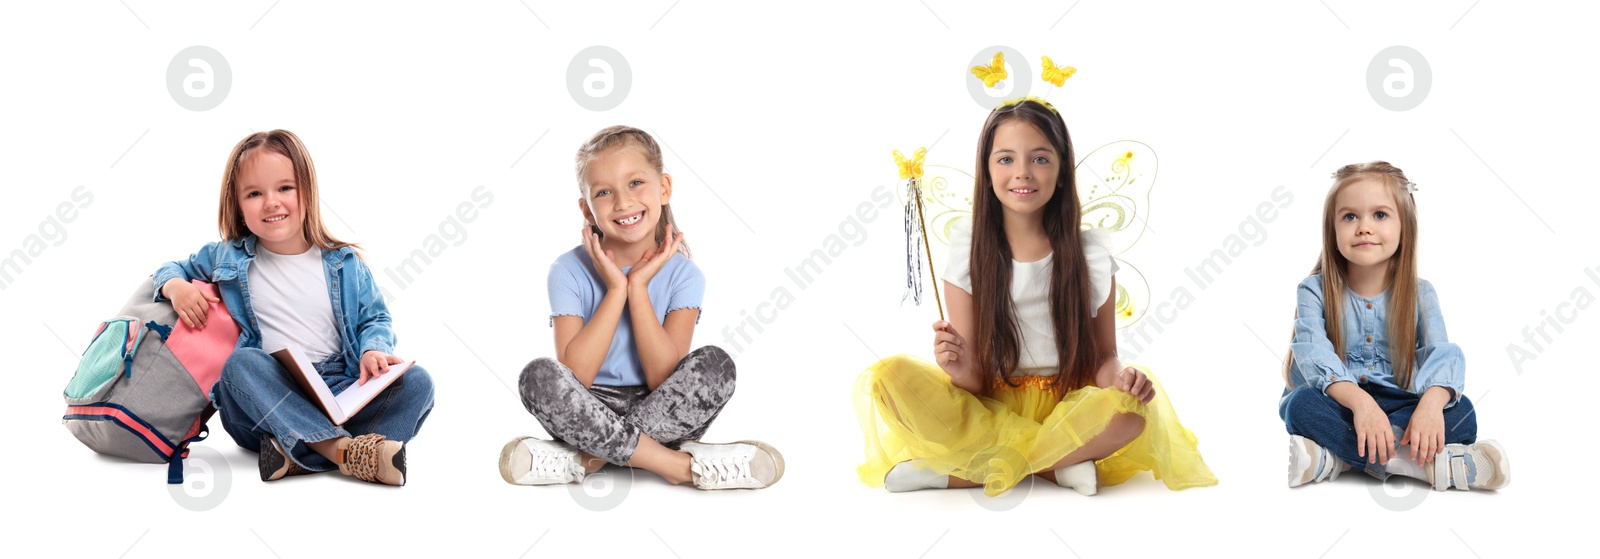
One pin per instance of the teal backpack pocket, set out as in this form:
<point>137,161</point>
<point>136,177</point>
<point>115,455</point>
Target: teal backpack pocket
<point>108,357</point>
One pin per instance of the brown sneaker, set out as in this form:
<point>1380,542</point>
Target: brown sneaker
<point>275,462</point>
<point>372,459</point>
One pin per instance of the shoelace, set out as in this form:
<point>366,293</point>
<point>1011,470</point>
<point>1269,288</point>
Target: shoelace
<point>722,471</point>
<point>362,456</point>
<point>552,465</point>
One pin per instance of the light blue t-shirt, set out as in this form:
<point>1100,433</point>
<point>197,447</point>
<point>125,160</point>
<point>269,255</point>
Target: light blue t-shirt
<point>576,290</point>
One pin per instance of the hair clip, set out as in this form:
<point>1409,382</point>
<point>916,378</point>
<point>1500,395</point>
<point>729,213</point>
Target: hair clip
<point>1410,187</point>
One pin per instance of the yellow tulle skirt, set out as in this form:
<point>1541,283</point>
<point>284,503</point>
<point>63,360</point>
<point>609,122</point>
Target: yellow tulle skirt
<point>909,410</point>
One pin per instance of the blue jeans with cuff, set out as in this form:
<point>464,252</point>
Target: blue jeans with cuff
<point>255,396</point>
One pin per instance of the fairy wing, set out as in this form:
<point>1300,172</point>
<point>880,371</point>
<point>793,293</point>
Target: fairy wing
<point>947,203</point>
<point>1114,184</point>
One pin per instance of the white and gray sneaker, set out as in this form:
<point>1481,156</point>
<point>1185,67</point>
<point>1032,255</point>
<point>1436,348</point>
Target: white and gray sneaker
<point>533,461</point>
<point>1482,465</point>
<point>1081,477</point>
<point>1309,462</point>
<point>740,465</point>
<point>911,475</point>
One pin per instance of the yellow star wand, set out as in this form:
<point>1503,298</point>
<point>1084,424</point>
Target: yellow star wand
<point>911,172</point>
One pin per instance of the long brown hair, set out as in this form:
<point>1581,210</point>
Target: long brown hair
<point>996,345</point>
<point>618,136</point>
<point>1402,275</point>
<point>230,223</point>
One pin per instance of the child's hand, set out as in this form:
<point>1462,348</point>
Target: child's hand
<point>604,262</point>
<point>1425,433</point>
<point>1135,382</point>
<point>1374,435</point>
<point>190,302</point>
<point>652,261</point>
<point>950,350</point>
<point>374,363</point>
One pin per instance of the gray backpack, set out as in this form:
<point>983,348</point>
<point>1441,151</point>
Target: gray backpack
<point>141,389</point>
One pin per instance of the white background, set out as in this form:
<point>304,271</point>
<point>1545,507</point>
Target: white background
<point>779,121</point>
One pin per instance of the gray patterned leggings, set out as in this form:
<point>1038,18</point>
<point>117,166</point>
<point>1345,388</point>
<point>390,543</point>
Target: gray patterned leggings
<point>606,421</point>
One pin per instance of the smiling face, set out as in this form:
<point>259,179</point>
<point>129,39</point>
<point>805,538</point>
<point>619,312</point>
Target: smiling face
<point>1366,223</point>
<point>624,196</point>
<point>1023,167</point>
<point>269,202</point>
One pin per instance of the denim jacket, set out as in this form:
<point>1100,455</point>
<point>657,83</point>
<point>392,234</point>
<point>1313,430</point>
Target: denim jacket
<point>1366,343</point>
<point>358,307</point>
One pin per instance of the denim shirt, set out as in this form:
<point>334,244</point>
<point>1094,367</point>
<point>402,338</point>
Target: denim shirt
<point>358,307</point>
<point>1366,343</point>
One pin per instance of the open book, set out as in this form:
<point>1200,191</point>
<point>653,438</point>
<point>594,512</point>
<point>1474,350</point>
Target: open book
<point>339,408</point>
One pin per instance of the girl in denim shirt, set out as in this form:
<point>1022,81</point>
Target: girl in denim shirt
<point>287,282</point>
<point>624,387</point>
<point>1373,381</point>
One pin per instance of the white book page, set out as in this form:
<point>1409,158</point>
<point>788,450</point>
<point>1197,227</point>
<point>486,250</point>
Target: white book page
<point>350,401</point>
<point>305,374</point>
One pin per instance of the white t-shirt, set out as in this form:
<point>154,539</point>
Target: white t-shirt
<point>289,294</point>
<point>1030,292</point>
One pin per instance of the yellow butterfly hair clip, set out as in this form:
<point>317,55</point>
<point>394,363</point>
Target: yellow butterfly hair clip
<point>910,168</point>
<point>1057,75</point>
<point>994,72</point>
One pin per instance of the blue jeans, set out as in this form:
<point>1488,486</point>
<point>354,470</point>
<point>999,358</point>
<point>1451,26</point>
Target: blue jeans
<point>1311,414</point>
<point>256,397</point>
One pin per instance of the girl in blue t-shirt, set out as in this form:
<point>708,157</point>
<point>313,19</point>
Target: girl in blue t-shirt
<point>624,387</point>
<point>1372,380</point>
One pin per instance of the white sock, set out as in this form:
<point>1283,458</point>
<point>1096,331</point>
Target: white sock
<point>1400,463</point>
<point>1081,477</point>
<point>911,476</point>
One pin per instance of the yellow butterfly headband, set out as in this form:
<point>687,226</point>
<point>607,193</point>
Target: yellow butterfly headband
<point>1036,99</point>
<point>995,71</point>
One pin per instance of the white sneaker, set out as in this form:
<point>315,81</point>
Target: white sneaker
<point>740,465</point>
<point>1309,462</point>
<point>532,461</point>
<point>911,476</point>
<point>1081,477</point>
<point>1482,465</point>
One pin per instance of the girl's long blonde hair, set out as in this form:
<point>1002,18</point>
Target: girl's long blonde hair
<point>620,136</point>
<point>1402,278</point>
<point>230,223</point>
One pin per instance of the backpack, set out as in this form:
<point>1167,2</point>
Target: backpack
<point>142,388</point>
